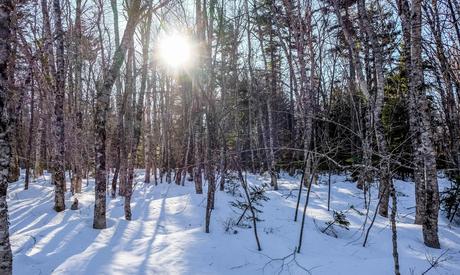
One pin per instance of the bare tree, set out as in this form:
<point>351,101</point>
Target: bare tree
<point>102,104</point>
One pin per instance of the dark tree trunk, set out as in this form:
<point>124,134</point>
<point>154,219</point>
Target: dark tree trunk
<point>120,101</point>
<point>59,159</point>
<point>31,131</point>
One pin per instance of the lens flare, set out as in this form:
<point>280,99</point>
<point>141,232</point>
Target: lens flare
<point>175,51</point>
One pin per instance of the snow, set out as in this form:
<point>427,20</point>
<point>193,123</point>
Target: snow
<point>166,235</point>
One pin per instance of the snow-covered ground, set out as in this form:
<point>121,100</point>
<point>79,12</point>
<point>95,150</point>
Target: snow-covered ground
<point>166,235</point>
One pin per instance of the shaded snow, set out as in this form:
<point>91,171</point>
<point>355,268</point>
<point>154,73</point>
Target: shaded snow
<point>166,235</point>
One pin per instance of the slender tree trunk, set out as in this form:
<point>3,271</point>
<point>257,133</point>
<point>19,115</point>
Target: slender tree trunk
<point>328,189</point>
<point>197,142</point>
<point>305,174</point>
<point>393,228</point>
<point>264,138</point>
<point>197,175</point>
<point>273,174</point>
<point>249,201</point>
<point>271,126</point>
<point>251,84</point>
<point>119,143</point>
<point>49,68</point>
<point>223,164</point>
<point>310,182</point>
<point>210,167</point>
<point>123,174</point>
<point>211,126</point>
<point>39,140</point>
<point>31,130</point>
<point>148,135</point>
<point>59,164</point>
<point>156,129</point>
<point>187,151</point>
<point>76,180</point>
<point>131,147</point>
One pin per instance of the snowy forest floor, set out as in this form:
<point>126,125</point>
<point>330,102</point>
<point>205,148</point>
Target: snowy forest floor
<point>166,235</point>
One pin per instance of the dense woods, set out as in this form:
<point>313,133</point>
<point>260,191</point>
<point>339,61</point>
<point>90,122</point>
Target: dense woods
<point>197,92</point>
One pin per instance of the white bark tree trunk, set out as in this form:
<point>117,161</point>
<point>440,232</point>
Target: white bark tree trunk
<point>6,257</point>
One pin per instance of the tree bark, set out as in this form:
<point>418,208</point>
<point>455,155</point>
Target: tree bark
<point>77,169</point>
<point>120,103</point>
<point>429,192</point>
<point>59,160</point>
<point>394,229</point>
<point>6,257</point>
<point>31,131</point>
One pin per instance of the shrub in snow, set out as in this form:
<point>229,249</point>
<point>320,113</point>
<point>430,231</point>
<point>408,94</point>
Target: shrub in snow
<point>257,196</point>
<point>232,185</point>
<point>339,220</point>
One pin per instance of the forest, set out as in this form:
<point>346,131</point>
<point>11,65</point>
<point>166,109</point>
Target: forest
<point>229,137</point>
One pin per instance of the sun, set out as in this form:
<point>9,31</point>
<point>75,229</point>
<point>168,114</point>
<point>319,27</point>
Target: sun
<point>175,51</point>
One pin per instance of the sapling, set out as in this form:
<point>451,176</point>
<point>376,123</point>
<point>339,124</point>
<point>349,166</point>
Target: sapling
<point>339,219</point>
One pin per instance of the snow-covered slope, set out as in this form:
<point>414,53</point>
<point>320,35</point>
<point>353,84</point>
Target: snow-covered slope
<point>166,235</point>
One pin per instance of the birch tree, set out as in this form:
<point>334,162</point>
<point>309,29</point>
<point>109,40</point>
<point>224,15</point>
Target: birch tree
<point>6,257</point>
